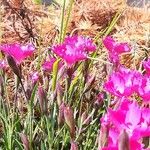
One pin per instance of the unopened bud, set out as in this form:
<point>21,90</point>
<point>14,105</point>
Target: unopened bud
<point>103,136</point>
<point>3,64</point>
<point>61,114</point>
<point>25,141</point>
<point>69,119</point>
<point>34,77</point>
<point>2,91</point>
<point>123,143</point>
<point>42,100</point>
<point>74,146</point>
<point>59,92</point>
<point>12,63</point>
<point>28,93</point>
<point>85,119</point>
<point>100,99</point>
<point>62,71</point>
<point>89,82</point>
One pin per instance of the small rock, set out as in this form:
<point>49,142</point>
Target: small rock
<point>138,3</point>
<point>46,2</point>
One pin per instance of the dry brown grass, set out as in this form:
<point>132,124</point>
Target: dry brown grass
<point>135,29</point>
<point>87,18</point>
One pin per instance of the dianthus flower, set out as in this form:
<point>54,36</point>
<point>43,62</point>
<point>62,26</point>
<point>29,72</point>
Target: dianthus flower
<point>17,51</point>
<point>48,65</point>
<point>146,65</point>
<point>144,88</point>
<point>115,49</point>
<point>130,118</point>
<point>123,83</point>
<point>74,49</point>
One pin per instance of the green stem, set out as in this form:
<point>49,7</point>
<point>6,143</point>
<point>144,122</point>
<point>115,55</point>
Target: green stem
<point>100,60</point>
<point>62,22</point>
<point>67,20</point>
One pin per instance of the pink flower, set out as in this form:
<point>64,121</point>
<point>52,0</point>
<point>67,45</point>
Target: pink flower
<point>48,65</point>
<point>123,83</point>
<point>74,49</point>
<point>131,118</point>
<point>17,51</point>
<point>146,65</point>
<point>115,49</point>
<point>144,88</point>
<point>145,113</point>
<point>109,148</point>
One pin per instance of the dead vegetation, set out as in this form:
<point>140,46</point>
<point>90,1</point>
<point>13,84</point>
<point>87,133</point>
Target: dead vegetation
<point>23,21</point>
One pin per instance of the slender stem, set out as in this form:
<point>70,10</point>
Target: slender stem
<point>62,22</point>
<point>67,20</point>
<point>23,88</point>
<point>98,59</point>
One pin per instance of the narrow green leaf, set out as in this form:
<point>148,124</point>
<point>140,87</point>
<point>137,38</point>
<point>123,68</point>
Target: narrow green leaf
<point>55,72</point>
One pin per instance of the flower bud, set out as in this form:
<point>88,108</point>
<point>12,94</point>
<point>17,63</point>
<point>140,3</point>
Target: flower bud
<point>100,99</point>
<point>12,63</point>
<point>103,136</point>
<point>89,82</point>
<point>42,100</point>
<point>123,143</point>
<point>34,77</point>
<point>61,114</point>
<point>85,119</point>
<point>25,141</point>
<point>59,92</point>
<point>28,92</point>
<point>74,146</point>
<point>2,90</point>
<point>69,119</point>
<point>62,71</point>
<point>3,64</point>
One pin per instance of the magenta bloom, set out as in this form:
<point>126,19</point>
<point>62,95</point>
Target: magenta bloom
<point>48,65</point>
<point>146,65</point>
<point>115,49</point>
<point>74,49</point>
<point>109,148</point>
<point>17,51</point>
<point>131,118</point>
<point>123,83</point>
<point>144,88</point>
